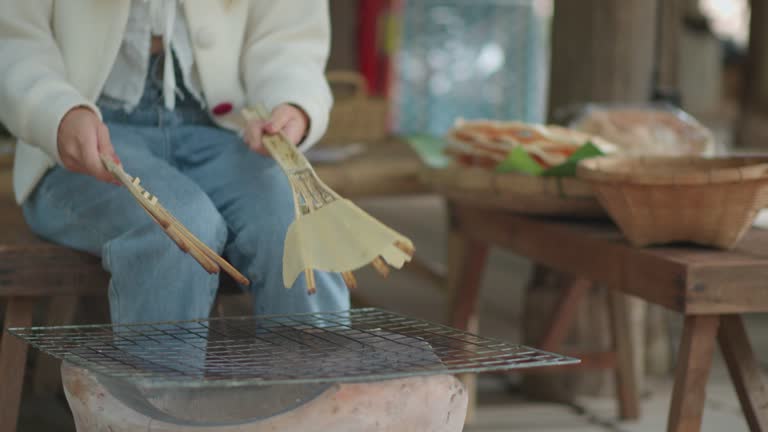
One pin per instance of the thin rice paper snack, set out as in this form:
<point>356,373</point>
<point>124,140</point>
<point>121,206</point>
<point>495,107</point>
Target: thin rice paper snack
<point>487,143</point>
<point>640,130</point>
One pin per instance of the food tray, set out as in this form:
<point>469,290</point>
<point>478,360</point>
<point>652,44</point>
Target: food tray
<point>519,193</point>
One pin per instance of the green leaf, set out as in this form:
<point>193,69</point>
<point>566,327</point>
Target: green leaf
<point>430,149</point>
<point>518,160</point>
<point>568,168</point>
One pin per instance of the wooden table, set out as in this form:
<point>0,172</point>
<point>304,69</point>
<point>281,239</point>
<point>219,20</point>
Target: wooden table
<point>711,288</point>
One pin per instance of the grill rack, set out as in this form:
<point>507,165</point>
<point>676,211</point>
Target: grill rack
<point>351,346</point>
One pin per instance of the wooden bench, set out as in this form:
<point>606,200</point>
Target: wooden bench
<point>710,288</point>
<point>32,269</point>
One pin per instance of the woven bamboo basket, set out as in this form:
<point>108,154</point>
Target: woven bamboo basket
<point>660,200</point>
<point>355,116</point>
<point>519,193</point>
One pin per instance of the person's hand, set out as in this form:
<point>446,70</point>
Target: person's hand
<point>285,118</point>
<point>82,138</point>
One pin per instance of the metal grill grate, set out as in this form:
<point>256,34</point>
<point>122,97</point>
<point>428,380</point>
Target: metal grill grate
<point>357,345</point>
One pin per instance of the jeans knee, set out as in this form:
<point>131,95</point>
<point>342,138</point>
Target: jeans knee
<point>201,218</point>
<point>263,239</point>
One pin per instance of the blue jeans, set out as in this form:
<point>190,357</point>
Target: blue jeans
<point>238,202</point>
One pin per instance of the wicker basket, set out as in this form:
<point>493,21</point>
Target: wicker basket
<point>545,196</point>
<point>355,117</point>
<point>662,200</point>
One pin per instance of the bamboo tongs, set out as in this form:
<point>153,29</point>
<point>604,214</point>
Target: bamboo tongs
<point>184,239</point>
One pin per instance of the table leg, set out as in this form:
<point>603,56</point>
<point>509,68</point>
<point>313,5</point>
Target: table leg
<point>745,372</point>
<point>626,379</point>
<point>13,356</point>
<point>564,314</point>
<point>466,262</point>
<point>691,373</point>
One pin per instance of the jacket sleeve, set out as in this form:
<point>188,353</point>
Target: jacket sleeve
<point>34,92</point>
<point>286,48</point>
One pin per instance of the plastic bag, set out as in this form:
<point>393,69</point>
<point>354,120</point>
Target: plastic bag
<point>639,130</point>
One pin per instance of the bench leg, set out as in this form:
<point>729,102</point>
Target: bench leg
<point>626,379</point>
<point>47,375</point>
<point>692,372</point>
<point>466,262</point>
<point>13,356</point>
<point>745,372</point>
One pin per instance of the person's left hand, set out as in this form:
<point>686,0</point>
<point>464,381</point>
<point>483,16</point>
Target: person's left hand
<point>288,119</point>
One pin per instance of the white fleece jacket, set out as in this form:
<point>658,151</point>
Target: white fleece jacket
<point>56,55</point>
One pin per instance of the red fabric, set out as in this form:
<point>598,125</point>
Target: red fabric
<point>222,108</point>
<point>375,62</point>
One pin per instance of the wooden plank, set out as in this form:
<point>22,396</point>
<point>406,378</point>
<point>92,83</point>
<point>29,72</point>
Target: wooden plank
<point>15,232</point>
<point>50,271</point>
<point>593,251</point>
<point>727,288</point>
<point>692,372</point>
<point>692,280</point>
<point>13,356</point>
<point>745,371</point>
<point>47,378</point>
<point>626,379</point>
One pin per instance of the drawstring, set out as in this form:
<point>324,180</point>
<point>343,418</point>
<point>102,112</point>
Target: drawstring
<point>163,18</point>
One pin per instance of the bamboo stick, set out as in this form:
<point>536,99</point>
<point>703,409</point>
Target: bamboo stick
<point>349,280</point>
<point>406,248</point>
<point>210,253</point>
<point>380,266</point>
<point>184,239</point>
<point>310,277</point>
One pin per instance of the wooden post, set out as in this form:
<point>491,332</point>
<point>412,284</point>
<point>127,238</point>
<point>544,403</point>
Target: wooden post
<point>602,51</point>
<point>751,130</point>
<point>667,72</point>
<point>344,35</point>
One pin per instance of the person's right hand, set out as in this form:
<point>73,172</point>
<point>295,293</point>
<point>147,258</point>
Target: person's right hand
<point>82,138</point>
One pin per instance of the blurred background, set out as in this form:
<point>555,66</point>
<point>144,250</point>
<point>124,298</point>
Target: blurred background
<point>438,60</point>
<point>405,68</point>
